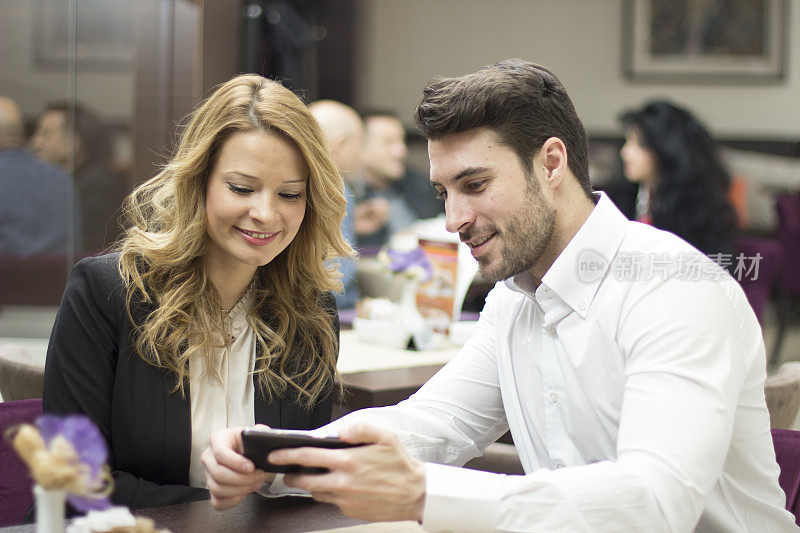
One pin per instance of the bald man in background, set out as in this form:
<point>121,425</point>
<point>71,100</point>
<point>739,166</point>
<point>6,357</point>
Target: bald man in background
<point>36,198</point>
<point>344,131</point>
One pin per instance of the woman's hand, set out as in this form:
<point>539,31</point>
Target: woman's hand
<point>229,475</point>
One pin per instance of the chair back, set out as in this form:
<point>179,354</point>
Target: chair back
<point>757,288</point>
<point>787,453</point>
<point>15,483</point>
<point>38,280</point>
<point>788,234</point>
<point>782,391</point>
<point>21,376</point>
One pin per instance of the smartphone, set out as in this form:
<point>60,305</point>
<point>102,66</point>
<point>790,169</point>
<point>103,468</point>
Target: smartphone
<point>257,443</point>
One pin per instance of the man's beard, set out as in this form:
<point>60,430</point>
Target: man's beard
<point>525,238</point>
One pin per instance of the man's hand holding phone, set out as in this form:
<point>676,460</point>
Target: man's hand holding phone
<point>376,481</point>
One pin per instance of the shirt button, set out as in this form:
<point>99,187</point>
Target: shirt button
<point>554,397</point>
<point>559,465</point>
<point>581,305</point>
<point>551,330</point>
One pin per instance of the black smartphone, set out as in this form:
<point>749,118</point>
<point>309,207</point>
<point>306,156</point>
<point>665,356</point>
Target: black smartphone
<point>258,442</point>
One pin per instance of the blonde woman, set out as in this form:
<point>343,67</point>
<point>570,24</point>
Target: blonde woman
<point>216,309</point>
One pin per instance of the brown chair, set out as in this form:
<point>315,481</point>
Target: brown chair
<point>15,483</point>
<point>787,453</point>
<point>21,376</point>
<point>782,391</point>
<point>37,280</point>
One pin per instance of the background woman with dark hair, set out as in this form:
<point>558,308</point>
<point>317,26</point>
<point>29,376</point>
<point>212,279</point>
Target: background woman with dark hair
<point>682,183</point>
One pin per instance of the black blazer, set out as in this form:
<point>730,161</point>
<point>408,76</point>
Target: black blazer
<point>92,368</point>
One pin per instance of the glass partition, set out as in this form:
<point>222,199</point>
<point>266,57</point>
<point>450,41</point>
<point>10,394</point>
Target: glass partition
<point>91,92</point>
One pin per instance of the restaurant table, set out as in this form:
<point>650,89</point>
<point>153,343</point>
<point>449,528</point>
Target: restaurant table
<point>376,388</point>
<point>374,375</point>
<point>255,513</point>
<point>387,375</point>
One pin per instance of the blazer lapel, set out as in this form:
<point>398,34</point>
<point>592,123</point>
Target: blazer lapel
<point>176,433</point>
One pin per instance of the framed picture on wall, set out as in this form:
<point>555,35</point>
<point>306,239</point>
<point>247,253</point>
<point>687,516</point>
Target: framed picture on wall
<point>96,34</point>
<point>705,41</point>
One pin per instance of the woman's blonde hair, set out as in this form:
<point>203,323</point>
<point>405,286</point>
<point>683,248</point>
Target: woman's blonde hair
<point>162,252</point>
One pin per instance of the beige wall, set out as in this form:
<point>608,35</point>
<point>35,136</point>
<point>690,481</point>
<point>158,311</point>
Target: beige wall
<point>33,86</point>
<point>403,43</point>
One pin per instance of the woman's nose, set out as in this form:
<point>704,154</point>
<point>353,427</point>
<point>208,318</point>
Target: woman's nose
<point>263,209</point>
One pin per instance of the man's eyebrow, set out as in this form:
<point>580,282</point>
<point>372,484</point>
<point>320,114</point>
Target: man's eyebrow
<point>466,173</point>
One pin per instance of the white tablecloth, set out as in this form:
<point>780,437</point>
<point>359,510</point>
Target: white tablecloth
<point>356,355</point>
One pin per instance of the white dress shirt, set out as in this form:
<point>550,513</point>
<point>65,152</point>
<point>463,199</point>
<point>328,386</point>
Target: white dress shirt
<point>223,396</point>
<point>635,404</point>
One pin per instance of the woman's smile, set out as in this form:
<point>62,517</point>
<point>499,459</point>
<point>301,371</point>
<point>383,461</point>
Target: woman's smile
<point>257,238</point>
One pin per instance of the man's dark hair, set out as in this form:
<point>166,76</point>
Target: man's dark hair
<point>88,126</point>
<point>524,103</point>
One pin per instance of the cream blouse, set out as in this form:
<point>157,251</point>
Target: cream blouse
<point>223,396</point>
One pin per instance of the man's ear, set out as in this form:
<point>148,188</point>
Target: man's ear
<point>553,159</point>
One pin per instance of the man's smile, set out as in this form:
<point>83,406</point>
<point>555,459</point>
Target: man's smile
<point>477,242</point>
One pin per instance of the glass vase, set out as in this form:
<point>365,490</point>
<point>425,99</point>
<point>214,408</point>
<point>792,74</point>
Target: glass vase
<point>50,506</point>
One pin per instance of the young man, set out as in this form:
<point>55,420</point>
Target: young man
<point>82,147</point>
<point>629,368</point>
<point>392,195</point>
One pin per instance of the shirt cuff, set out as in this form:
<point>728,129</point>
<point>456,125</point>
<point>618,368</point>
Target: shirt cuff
<point>278,488</point>
<point>460,499</point>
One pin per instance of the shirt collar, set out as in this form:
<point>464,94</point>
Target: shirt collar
<point>579,269</point>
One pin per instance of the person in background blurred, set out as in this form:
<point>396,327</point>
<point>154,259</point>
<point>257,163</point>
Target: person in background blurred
<point>394,196</point>
<point>682,182</point>
<point>35,196</point>
<point>86,150</point>
<point>344,131</point>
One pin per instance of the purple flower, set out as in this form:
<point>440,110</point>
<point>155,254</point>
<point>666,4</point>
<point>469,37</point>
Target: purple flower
<point>89,445</point>
<point>404,261</point>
